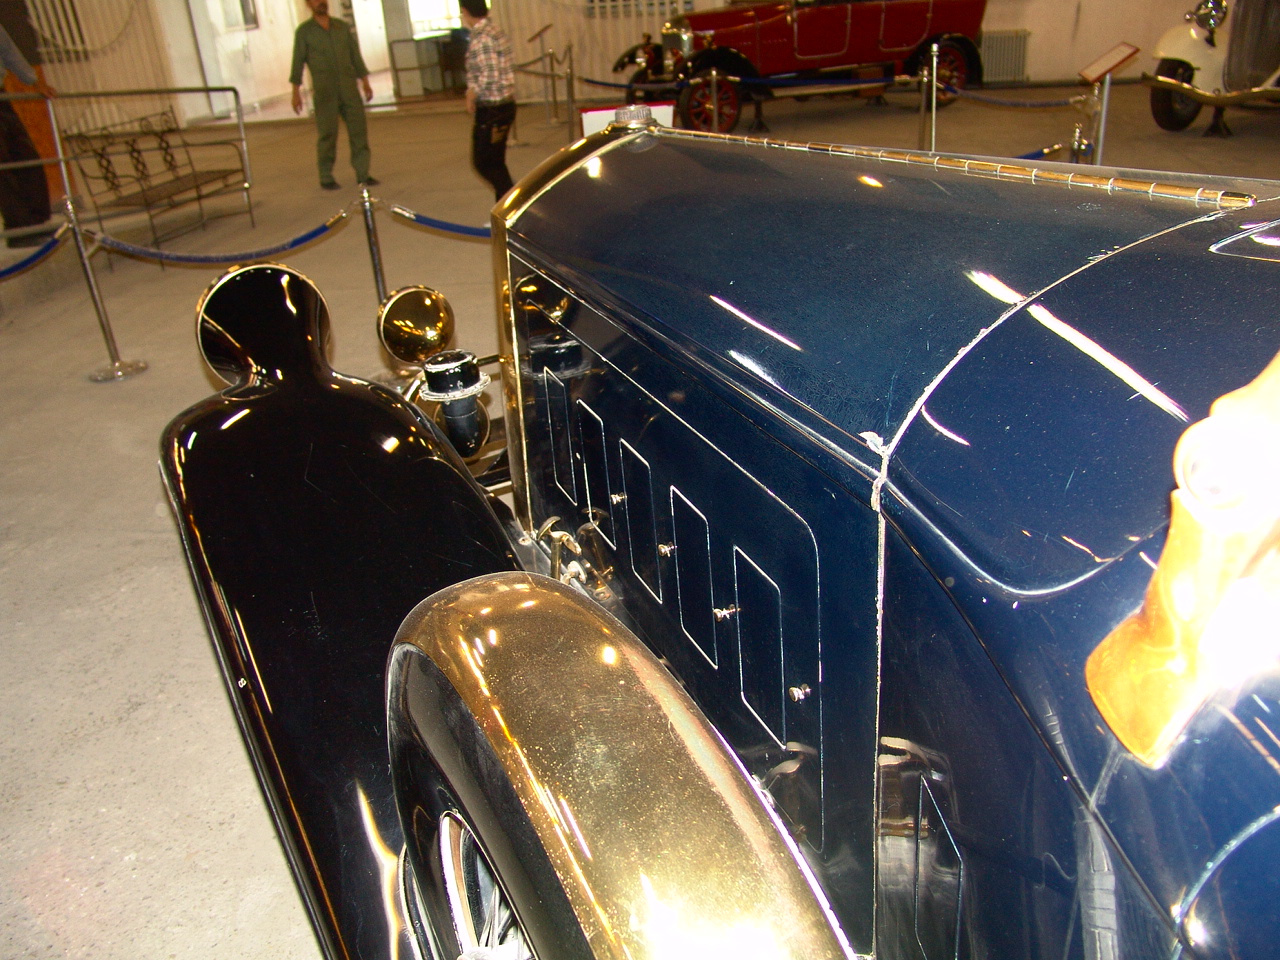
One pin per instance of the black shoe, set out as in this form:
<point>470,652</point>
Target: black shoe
<point>371,181</point>
<point>331,185</point>
<point>30,240</point>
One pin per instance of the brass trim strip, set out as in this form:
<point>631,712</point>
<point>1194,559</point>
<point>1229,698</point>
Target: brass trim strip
<point>1236,98</point>
<point>559,165</point>
<point>504,215</point>
<point>998,170</point>
<point>509,360</point>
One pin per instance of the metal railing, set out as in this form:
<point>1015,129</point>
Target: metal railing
<point>117,368</point>
<point>545,65</point>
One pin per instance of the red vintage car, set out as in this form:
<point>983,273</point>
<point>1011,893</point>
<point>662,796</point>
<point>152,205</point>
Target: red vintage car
<point>764,49</point>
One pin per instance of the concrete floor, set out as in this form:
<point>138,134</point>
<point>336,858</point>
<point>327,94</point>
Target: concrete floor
<point>131,823</point>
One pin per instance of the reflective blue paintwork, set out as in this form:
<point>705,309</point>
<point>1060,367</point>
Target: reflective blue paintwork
<point>998,370</point>
<point>853,276</point>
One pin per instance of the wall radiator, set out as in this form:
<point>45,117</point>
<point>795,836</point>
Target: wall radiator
<point>1004,55</point>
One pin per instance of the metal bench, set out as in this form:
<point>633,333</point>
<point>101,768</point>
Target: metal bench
<point>150,164</point>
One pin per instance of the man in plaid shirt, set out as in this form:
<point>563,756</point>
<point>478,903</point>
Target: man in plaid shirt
<point>491,89</point>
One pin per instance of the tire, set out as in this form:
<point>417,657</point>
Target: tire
<point>476,877</point>
<point>695,104</point>
<point>1174,111</point>
<point>954,69</point>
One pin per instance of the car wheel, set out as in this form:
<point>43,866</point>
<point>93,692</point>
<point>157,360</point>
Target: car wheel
<point>477,920</point>
<point>695,104</point>
<point>1174,111</point>
<point>477,881</point>
<point>953,70</point>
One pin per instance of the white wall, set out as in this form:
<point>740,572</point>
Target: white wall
<point>118,47</point>
<point>174,23</point>
<point>371,29</point>
<point>271,47</point>
<point>254,60</point>
<point>1069,34</point>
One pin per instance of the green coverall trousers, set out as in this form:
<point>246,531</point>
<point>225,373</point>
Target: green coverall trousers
<point>329,106</point>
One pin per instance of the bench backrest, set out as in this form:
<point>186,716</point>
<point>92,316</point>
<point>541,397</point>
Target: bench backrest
<point>133,152</point>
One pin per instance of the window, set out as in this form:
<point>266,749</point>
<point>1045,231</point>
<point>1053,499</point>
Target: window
<point>249,14</point>
<point>638,8</point>
<point>433,16</point>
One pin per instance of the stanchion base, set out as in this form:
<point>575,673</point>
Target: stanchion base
<point>120,370</point>
<point>1218,125</point>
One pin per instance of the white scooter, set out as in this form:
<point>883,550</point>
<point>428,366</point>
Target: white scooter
<point>1222,56</point>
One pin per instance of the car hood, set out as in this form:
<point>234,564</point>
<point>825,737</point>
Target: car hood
<point>829,287</point>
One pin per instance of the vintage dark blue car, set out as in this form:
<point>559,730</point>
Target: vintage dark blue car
<point>825,600</point>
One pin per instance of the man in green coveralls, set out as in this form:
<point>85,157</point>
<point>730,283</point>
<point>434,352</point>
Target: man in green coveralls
<point>327,46</point>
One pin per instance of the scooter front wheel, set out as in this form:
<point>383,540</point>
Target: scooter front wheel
<point>1172,110</point>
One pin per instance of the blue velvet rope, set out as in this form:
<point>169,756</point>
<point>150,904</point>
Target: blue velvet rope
<point>627,86</point>
<point>165,256</point>
<point>445,225</point>
<point>1040,154</point>
<point>1000,102</point>
<point>35,256</point>
<point>151,253</point>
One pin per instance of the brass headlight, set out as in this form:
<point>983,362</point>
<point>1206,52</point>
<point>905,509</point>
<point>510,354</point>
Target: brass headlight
<point>1209,14</point>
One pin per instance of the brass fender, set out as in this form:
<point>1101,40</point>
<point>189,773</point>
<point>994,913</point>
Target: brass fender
<point>662,843</point>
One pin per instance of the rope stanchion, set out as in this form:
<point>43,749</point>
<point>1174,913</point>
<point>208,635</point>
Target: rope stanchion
<point>214,259</point>
<point>375,248</point>
<point>797,82</point>
<point>31,259</point>
<point>119,369</point>
<point>1002,102</point>
<point>424,221</point>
